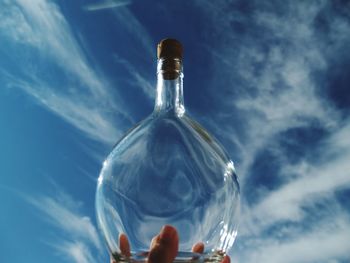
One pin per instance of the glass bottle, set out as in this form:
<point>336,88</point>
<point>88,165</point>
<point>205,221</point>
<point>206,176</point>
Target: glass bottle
<point>168,170</point>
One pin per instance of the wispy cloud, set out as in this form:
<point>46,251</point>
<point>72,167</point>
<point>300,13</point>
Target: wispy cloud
<point>53,66</point>
<point>61,212</point>
<point>328,241</point>
<point>82,95</point>
<point>107,4</point>
<point>271,63</point>
<point>76,251</point>
<point>137,77</point>
<point>312,182</point>
<point>78,239</point>
<point>82,113</point>
<point>44,22</point>
<point>140,37</point>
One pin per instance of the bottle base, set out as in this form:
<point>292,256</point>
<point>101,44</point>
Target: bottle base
<point>182,257</point>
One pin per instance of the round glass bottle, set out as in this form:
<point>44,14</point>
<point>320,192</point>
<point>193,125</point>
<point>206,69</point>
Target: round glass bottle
<point>168,170</point>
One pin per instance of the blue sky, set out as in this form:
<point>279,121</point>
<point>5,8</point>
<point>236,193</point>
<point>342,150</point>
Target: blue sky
<point>270,79</point>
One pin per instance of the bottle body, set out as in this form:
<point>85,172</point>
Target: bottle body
<point>168,170</point>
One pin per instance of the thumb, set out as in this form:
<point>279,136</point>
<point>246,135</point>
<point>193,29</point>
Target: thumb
<point>164,247</point>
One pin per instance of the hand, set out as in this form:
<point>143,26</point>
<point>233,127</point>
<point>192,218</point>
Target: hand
<point>164,247</point>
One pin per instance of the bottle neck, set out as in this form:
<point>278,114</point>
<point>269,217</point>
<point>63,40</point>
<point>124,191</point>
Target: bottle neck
<point>169,97</point>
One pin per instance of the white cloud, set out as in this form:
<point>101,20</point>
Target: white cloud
<point>140,37</point>
<point>82,113</point>
<point>62,212</point>
<point>329,241</point>
<point>313,181</point>
<point>106,4</point>
<point>76,251</point>
<point>138,79</point>
<point>83,97</point>
<point>61,215</point>
<point>271,72</point>
<point>55,37</point>
<point>12,17</point>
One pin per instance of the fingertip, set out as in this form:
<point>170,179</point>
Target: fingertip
<point>124,245</point>
<point>226,259</point>
<point>123,238</point>
<point>168,232</point>
<point>164,246</point>
<point>198,248</point>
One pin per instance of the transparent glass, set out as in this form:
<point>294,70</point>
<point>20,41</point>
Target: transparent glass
<point>168,170</point>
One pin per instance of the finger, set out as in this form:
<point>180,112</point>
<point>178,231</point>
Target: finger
<point>198,248</point>
<point>226,260</point>
<point>164,247</point>
<point>112,260</point>
<point>124,245</point>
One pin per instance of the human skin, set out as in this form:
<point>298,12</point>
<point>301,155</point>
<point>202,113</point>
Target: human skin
<point>163,248</point>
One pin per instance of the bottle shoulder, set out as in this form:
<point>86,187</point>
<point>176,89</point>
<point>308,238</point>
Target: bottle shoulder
<point>207,137</point>
<point>170,131</point>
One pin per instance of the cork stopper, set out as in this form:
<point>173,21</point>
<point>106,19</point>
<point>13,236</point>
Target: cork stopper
<point>170,52</point>
<point>169,48</point>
